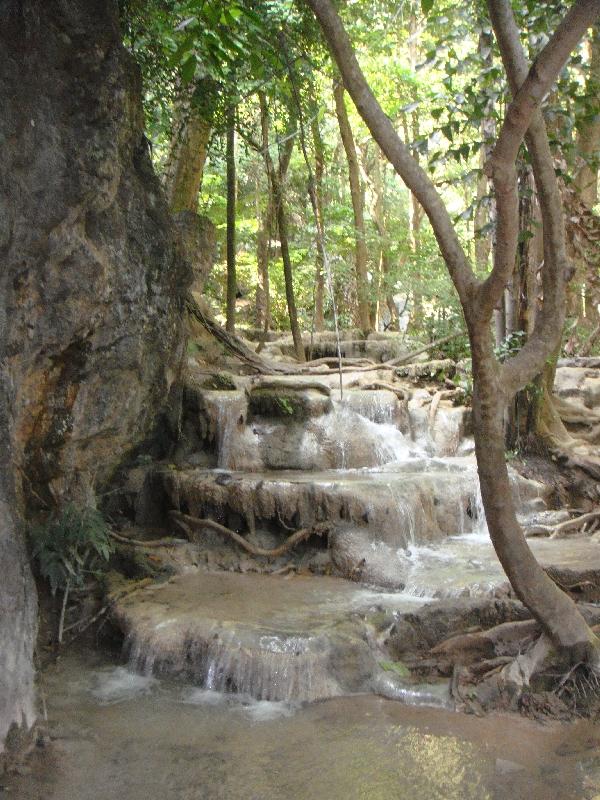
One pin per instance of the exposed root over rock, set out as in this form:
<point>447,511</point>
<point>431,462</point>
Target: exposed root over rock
<point>583,523</point>
<point>187,523</point>
<point>508,665</point>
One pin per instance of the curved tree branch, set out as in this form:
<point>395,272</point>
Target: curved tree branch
<point>524,119</point>
<point>534,83</point>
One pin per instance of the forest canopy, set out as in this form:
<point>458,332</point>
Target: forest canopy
<point>261,70</point>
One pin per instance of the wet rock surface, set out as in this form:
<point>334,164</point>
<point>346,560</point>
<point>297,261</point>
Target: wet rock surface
<point>268,637</point>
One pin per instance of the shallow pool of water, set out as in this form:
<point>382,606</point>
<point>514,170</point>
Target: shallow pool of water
<point>117,736</point>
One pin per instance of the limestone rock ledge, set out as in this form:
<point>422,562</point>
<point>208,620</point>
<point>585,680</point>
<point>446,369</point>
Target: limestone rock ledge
<point>91,282</point>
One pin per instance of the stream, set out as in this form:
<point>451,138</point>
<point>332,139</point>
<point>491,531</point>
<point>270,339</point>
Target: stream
<point>237,682</point>
<point>120,735</point>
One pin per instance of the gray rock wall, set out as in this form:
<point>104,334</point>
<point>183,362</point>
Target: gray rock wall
<point>91,284</point>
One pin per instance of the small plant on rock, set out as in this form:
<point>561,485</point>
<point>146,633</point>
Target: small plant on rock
<point>71,545</point>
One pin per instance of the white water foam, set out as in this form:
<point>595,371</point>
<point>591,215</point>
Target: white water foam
<point>119,685</point>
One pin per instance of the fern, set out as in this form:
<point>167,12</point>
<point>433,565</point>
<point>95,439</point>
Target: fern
<point>70,545</point>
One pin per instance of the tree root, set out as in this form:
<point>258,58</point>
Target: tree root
<point>581,584</point>
<point>569,451</point>
<point>231,342</point>
<point>240,350</point>
<point>575,525</point>
<point>167,542</point>
<point>186,522</point>
<point>506,639</point>
<point>334,362</point>
<point>517,675</point>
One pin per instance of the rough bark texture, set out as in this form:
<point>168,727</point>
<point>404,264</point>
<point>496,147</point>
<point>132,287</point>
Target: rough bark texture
<point>198,238</point>
<point>182,177</point>
<point>91,283</point>
<point>187,155</point>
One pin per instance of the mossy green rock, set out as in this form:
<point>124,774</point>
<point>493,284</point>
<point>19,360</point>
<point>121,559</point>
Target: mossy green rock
<point>284,403</point>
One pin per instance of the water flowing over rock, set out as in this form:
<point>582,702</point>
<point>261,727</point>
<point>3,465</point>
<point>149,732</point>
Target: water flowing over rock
<point>309,648</point>
<point>392,478</point>
<point>91,280</point>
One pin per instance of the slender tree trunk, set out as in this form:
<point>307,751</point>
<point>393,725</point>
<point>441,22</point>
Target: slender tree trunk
<point>415,218</point>
<point>412,132</point>
<point>276,177</point>
<point>588,134</point>
<point>320,267</point>
<point>263,299</point>
<point>263,243</point>
<point>356,194</point>
<point>484,212</point>
<point>288,273</point>
<point>231,202</point>
<point>379,216</point>
<point>584,294</point>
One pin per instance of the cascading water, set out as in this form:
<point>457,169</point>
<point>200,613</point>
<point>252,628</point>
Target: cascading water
<point>405,515</point>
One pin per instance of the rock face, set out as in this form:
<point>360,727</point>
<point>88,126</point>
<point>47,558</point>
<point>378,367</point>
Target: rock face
<point>198,236</point>
<point>18,623</point>
<point>91,280</point>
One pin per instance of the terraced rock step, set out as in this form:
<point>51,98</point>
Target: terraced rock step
<point>267,637</point>
<point>418,502</point>
<point>307,638</point>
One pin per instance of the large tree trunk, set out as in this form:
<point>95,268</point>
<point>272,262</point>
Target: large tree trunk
<point>357,196</point>
<point>91,287</point>
<point>182,176</point>
<point>495,384</point>
<point>552,607</point>
<point>231,203</point>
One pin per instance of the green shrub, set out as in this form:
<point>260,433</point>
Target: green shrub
<point>71,545</point>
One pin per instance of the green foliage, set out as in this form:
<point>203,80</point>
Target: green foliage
<point>436,70</point>
<point>285,405</point>
<point>397,667</point>
<point>510,346</point>
<point>70,545</point>
<point>446,324</point>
